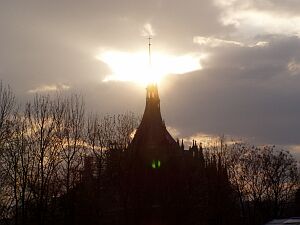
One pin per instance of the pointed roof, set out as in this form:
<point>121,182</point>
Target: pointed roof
<point>152,137</point>
<point>152,140</point>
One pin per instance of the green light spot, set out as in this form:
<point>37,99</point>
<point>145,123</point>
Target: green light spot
<point>153,164</point>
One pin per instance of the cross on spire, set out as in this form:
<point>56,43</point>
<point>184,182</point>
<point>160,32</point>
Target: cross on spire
<point>149,44</point>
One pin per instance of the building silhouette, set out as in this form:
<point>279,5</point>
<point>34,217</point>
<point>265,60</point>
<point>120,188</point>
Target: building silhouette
<point>157,164</point>
<point>152,144</point>
<point>156,180</point>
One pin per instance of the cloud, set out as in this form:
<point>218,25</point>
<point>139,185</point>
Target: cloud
<point>216,42</point>
<point>49,88</point>
<point>209,140</point>
<point>260,44</point>
<point>205,139</point>
<point>148,30</point>
<point>252,17</point>
<point>294,67</point>
<point>173,131</point>
<point>241,92</point>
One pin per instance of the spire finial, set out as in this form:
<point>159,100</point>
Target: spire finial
<point>149,44</point>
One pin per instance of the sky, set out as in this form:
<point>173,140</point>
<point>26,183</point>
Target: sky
<point>230,67</point>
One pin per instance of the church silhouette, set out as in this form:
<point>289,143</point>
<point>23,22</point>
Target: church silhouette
<point>155,180</point>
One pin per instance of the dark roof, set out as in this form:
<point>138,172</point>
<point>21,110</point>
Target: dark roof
<point>152,134</point>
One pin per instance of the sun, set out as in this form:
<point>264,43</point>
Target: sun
<point>135,67</point>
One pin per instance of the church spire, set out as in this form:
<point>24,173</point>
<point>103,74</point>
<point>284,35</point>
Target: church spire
<point>152,141</point>
<point>152,96</point>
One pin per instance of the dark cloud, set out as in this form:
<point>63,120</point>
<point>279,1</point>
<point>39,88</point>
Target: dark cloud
<point>246,92</point>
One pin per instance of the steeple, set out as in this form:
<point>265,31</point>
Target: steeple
<point>149,48</point>
<point>152,109</point>
<point>152,94</point>
<point>152,140</point>
<point>154,156</point>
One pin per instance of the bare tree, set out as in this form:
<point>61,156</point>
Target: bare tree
<point>72,141</point>
<point>19,165</point>
<point>96,141</point>
<point>264,178</point>
<point>44,116</point>
<point>7,108</point>
<point>109,132</point>
<point>281,175</point>
<point>125,126</point>
<point>7,105</point>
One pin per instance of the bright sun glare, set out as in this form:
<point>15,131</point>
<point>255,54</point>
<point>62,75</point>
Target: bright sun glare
<point>134,67</point>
